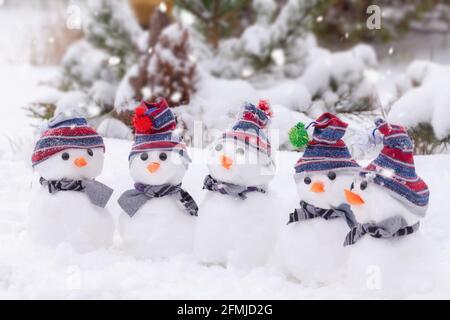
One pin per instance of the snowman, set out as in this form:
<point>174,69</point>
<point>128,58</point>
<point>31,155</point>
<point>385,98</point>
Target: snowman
<point>238,223</point>
<point>159,216</point>
<point>310,248</point>
<point>69,206</point>
<point>388,256</point>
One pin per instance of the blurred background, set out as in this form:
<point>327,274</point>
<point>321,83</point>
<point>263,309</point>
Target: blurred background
<point>206,57</point>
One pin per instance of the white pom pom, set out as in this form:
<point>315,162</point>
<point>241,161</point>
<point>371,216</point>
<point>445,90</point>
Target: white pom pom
<point>367,141</point>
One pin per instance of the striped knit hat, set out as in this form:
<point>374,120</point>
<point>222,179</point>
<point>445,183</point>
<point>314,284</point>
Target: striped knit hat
<point>326,151</point>
<point>250,127</point>
<point>394,168</point>
<point>155,125</point>
<point>65,132</point>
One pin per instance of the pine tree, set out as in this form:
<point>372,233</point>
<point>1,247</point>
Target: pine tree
<point>94,66</point>
<point>112,27</point>
<point>216,18</point>
<point>167,71</point>
<point>275,43</point>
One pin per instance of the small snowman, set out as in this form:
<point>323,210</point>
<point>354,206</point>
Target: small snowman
<point>159,216</point>
<point>238,222</point>
<point>70,204</point>
<point>387,253</point>
<point>310,248</point>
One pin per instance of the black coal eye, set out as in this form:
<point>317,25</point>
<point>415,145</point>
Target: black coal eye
<point>219,147</point>
<point>90,152</point>
<point>240,151</point>
<point>363,185</point>
<point>144,156</point>
<point>163,156</point>
<point>352,186</point>
<point>307,180</point>
<point>331,175</point>
<point>65,156</point>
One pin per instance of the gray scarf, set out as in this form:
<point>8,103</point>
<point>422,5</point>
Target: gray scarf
<point>233,190</point>
<point>308,212</point>
<point>98,193</point>
<point>389,228</point>
<point>132,200</point>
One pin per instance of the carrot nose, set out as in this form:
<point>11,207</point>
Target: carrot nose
<point>353,198</point>
<point>318,187</point>
<point>80,162</point>
<point>153,167</point>
<point>226,162</point>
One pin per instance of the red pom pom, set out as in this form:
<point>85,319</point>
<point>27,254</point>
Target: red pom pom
<point>264,106</point>
<point>140,111</point>
<point>142,124</point>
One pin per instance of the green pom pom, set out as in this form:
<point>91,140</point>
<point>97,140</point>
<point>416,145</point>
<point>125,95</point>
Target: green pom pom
<point>298,136</point>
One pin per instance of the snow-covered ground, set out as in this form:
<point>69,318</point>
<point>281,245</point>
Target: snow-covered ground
<point>28,270</point>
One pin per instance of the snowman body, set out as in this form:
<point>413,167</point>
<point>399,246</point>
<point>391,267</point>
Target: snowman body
<point>392,268</point>
<point>388,267</point>
<point>161,227</point>
<point>69,216</point>
<point>235,231</point>
<point>312,250</point>
<point>231,230</point>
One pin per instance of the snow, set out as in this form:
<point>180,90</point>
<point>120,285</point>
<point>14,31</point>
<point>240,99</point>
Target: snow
<point>112,273</point>
<point>424,98</point>
<point>347,70</point>
<point>217,102</point>
<point>92,62</point>
<point>114,128</point>
<point>124,100</point>
<point>103,93</point>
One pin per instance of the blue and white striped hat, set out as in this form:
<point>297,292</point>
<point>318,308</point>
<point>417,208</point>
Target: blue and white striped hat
<point>65,132</point>
<point>394,168</point>
<point>251,126</point>
<point>327,151</point>
<point>155,125</point>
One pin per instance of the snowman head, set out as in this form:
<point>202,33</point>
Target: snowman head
<point>372,202</point>
<point>326,167</point>
<point>68,149</point>
<point>242,155</point>
<point>72,164</point>
<point>390,186</point>
<point>158,167</point>
<point>323,190</point>
<point>158,155</point>
<point>239,164</point>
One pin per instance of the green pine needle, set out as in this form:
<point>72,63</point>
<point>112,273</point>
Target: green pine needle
<point>298,136</point>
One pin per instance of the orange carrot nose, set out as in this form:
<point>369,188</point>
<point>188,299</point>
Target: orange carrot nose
<point>80,162</point>
<point>318,187</point>
<point>353,198</point>
<point>153,167</point>
<point>226,162</point>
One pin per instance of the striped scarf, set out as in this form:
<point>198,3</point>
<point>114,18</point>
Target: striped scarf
<point>389,228</point>
<point>308,212</point>
<point>233,190</point>
<point>98,193</point>
<point>132,200</point>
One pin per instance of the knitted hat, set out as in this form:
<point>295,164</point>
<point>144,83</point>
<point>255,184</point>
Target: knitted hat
<point>155,125</point>
<point>394,168</point>
<point>326,151</point>
<point>65,132</point>
<point>250,127</point>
